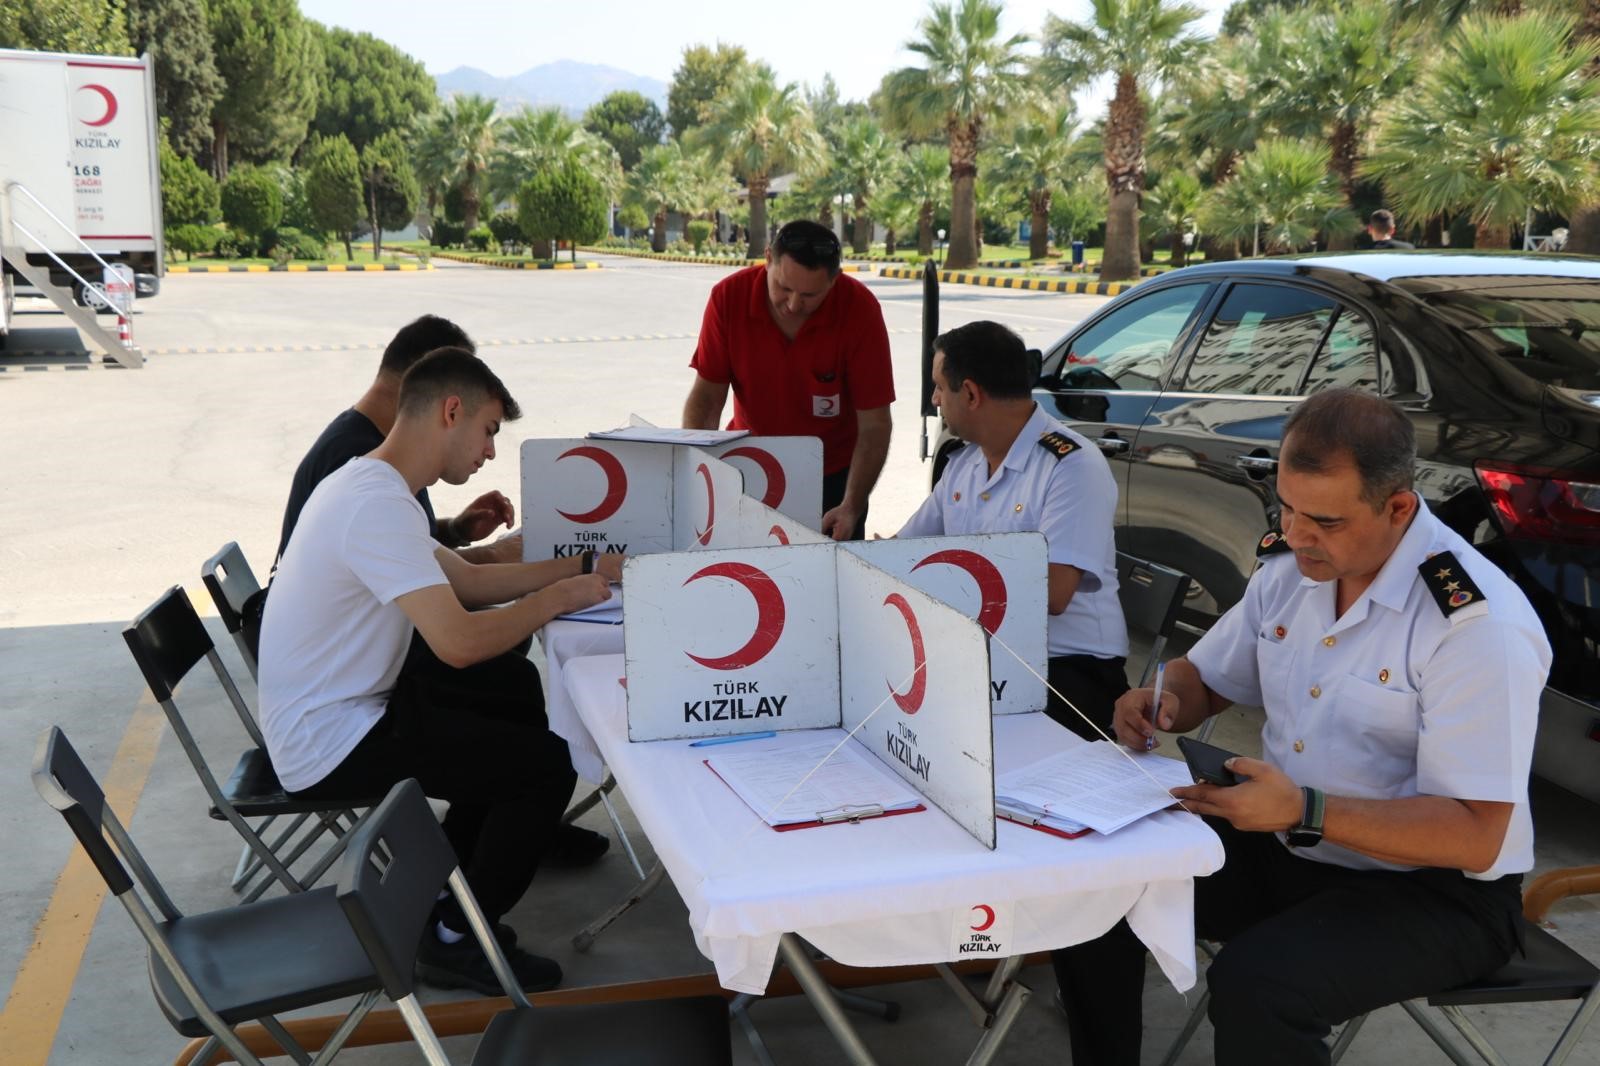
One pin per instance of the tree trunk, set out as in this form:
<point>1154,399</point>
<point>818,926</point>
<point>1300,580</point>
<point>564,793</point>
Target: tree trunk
<point>925,229</point>
<point>861,242</point>
<point>349,254</point>
<point>372,217</point>
<point>1493,236</point>
<point>758,217</point>
<point>469,198</point>
<point>1433,232</point>
<point>1218,250</point>
<point>888,241</point>
<point>542,249</point>
<point>1124,140</point>
<point>962,252</point>
<point>1039,224</point>
<point>1583,232</point>
<point>1180,253</point>
<point>1342,162</point>
<point>219,150</point>
<point>825,216</point>
<point>658,232</point>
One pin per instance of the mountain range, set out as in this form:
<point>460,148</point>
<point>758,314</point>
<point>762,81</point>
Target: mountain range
<point>566,83</point>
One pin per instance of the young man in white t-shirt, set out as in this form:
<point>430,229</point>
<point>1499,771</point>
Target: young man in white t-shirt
<point>342,713</point>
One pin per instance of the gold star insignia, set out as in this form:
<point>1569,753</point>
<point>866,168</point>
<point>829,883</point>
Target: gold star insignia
<point>1452,586</point>
<point>1442,574</point>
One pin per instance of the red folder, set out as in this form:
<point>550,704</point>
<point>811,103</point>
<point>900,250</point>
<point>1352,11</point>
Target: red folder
<point>1041,827</point>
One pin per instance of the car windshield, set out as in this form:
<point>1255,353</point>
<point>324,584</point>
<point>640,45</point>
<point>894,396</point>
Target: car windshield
<point>1547,328</point>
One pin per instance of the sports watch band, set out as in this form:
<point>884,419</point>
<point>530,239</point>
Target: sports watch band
<point>1309,832</point>
<point>586,558</point>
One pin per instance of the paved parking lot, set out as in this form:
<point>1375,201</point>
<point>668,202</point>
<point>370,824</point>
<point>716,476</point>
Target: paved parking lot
<point>119,483</point>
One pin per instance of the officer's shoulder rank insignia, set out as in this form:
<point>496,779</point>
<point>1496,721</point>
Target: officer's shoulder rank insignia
<point>1447,579</point>
<point>1271,544</point>
<point>1057,444</point>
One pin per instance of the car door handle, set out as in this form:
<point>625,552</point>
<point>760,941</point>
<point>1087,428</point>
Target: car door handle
<point>1256,464</point>
<point>1111,445</point>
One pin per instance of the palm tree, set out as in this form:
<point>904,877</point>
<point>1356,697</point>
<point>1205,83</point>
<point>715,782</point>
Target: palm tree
<point>656,183</point>
<point>760,129</point>
<point>1585,225</point>
<point>432,159</point>
<point>1172,207</point>
<point>1138,42</point>
<point>470,125</point>
<point>1281,194</point>
<point>925,178</point>
<point>536,138</point>
<point>1038,161</point>
<point>898,212</point>
<point>970,74</point>
<point>1506,123</point>
<point>867,158</point>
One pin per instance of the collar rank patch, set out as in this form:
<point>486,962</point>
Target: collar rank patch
<point>1057,444</point>
<point>1271,544</point>
<point>1448,581</point>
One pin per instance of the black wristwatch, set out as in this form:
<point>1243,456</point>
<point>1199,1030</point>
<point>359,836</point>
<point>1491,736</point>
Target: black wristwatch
<point>1308,834</point>
<point>586,558</point>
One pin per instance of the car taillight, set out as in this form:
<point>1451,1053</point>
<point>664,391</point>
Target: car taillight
<point>1533,503</point>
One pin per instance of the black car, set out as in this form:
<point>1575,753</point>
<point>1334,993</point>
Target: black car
<point>1185,382</point>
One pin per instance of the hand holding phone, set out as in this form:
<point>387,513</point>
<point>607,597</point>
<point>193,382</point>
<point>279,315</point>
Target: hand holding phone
<point>1207,762</point>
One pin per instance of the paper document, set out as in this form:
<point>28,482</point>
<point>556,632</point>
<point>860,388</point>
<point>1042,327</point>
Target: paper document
<point>849,785</point>
<point>1100,786</point>
<point>700,438</point>
<point>606,612</point>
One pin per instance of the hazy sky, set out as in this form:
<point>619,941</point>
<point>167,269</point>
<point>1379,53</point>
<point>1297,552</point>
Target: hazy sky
<point>857,41</point>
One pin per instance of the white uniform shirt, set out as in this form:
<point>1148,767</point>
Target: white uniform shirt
<point>332,638</point>
<point>1071,499</point>
<point>1395,698</point>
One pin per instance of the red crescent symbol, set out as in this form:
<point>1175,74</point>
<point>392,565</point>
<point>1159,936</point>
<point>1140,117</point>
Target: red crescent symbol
<point>988,917</point>
<point>771,469</point>
<point>769,615</point>
<point>111,104</point>
<point>911,701</point>
<point>777,531</point>
<point>711,506</point>
<point>616,485</point>
<point>991,586</point>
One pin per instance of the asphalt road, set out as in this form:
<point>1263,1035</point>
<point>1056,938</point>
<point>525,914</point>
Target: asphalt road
<point>119,483</point>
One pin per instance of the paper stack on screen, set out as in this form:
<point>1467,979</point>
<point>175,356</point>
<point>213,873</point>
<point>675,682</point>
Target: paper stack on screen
<point>846,785</point>
<point>700,438</point>
<point>1097,786</point>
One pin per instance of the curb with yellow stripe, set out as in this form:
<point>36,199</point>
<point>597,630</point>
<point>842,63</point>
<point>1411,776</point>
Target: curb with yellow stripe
<point>992,281</point>
<point>291,268</point>
<point>700,260</point>
<point>507,262</point>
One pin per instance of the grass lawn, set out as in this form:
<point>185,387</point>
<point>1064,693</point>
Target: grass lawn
<point>335,255</point>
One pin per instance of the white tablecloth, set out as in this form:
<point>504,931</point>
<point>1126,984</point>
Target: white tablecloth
<point>890,891</point>
<point>563,641</point>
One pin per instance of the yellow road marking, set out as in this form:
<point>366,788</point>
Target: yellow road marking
<point>44,981</point>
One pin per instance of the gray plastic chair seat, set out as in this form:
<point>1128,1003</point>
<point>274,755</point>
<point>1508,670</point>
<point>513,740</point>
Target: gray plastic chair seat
<point>678,1032</point>
<point>253,960</point>
<point>254,790</point>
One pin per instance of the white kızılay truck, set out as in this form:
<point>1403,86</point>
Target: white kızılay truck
<point>80,186</point>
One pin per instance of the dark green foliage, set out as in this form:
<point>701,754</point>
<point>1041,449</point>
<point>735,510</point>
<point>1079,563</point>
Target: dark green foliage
<point>93,26</point>
<point>252,202</point>
<point>478,240</point>
<point>192,239</point>
<point>506,229</point>
<point>447,234</point>
<point>270,59</point>
<point>563,203</point>
<point>370,87</point>
<point>698,231</point>
<point>188,194</point>
<point>628,121</point>
<point>452,204</point>
<point>333,187</point>
<point>188,86</point>
<point>391,186</point>
<point>703,73</point>
<point>632,217</point>
<point>296,244</point>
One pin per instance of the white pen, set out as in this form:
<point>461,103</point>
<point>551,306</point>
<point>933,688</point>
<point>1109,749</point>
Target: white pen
<point>1155,706</point>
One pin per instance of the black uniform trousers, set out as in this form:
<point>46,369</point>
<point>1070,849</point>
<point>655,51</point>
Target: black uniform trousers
<point>833,486</point>
<point>478,738</point>
<point>1092,684</point>
<point>1306,947</point>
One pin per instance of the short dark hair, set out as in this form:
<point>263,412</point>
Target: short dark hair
<point>1347,425</point>
<point>454,372</point>
<point>989,355</point>
<point>419,337</point>
<point>811,244</point>
<point>1382,219</point>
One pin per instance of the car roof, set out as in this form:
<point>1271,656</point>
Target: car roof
<point>1396,265</point>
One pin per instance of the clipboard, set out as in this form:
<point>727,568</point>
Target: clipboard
<point>1017,818</point>
<point>849,816</point>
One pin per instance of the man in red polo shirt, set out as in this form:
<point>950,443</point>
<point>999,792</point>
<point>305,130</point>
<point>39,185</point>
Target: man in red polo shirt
<point>807,354</point>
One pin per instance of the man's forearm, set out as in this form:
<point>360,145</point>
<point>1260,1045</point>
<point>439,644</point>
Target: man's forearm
<point>866,462</point>
<point>1196,702</point>
<point>484,584</point>
<point>485,634</point>
<point>1419,830</point>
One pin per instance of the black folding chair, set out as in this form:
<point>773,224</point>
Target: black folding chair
<point>389,903</point>
<point>213,971</point>
<point>1151,596</point>
<point>1548,971</point>
<point>167,641</point>
<point>231,582</point>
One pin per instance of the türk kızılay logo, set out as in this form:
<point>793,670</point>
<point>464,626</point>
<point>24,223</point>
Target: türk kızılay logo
<point>95,105</point>
<point>743,699</point>
<point>609,504</point>
<point>983,929</point>
<point>771,469</point>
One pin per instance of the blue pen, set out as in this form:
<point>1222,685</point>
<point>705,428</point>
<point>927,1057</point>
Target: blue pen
<point>709,741</point>
<point>1155,705</point>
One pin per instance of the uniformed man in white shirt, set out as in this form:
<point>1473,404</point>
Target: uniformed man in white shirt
<point>1021,470</point>
<point>1375,851</point>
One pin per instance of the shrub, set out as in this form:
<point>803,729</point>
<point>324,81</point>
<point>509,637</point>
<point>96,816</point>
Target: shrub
<point>447,234</point>
<point>232,246</point>
<point>252,203</point>
<point>188,194</point>
<point>298,244</point>
<point>698,232</point>
<point>507,231</point>
<point>478,240</point>
<point>563,202</point>
<point>192,239</point>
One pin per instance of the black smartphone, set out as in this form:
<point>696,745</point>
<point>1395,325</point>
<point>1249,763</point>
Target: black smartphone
<point>1206,762</point>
